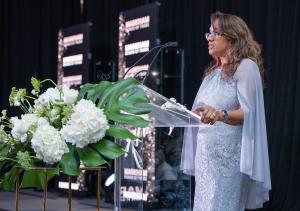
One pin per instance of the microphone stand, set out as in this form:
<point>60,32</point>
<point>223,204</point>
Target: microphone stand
<point>171,44</point>
<point>160,47</point>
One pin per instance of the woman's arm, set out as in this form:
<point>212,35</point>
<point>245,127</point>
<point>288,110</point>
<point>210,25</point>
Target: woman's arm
<point>211,115</point>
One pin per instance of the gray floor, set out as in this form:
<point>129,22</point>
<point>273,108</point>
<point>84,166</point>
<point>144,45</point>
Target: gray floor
<point>31,200</point>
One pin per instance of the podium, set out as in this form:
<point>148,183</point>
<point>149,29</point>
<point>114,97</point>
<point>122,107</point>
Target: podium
<point>148,176</point>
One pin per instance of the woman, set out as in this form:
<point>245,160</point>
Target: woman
<point>230,156</point>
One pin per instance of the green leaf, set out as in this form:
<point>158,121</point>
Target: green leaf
<point>36,178</point>
<point>5,166</point>
<point>127,119</point>
<point>9,180</point>
<point>70,162</point>
<point>94,91</point>
<point>109,149</point>
<point>118,94</point>
<point>100,89</point>
<point>119,132</point>
<point>113,92</point>
<point>136,95</point>
<point>88,89</point>
<point>36,84</point>
<point>90,157</point>
<point>128,104</point>
<point>2,163</point>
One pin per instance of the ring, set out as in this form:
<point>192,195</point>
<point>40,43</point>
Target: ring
<point>213,115</point>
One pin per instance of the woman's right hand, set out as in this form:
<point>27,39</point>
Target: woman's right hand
<point>209,115</point>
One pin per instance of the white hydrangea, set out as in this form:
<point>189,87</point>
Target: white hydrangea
<point>50,95</point>
<point>21,126</point>
<point>69,95</point>
<point>42,121</point>
<point>48,145</point>
<point>87,124</point>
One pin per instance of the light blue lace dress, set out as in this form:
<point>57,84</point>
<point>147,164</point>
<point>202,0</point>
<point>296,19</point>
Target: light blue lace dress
<point>219,183</point>
<point>230,163</point>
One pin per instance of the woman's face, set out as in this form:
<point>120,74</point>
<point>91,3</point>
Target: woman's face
<point>217,42</point>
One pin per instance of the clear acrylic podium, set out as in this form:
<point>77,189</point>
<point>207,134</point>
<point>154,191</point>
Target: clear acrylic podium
<point>148,176</point>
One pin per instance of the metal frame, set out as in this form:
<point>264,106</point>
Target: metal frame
<point>45,170</point>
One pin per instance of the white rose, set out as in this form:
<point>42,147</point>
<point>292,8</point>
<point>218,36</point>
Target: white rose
<point>18,126</point>
<point>21,126</point>
<point>69,95</point>
<point>50,95</point>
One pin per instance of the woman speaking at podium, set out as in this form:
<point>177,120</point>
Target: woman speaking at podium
<point>228,153</point>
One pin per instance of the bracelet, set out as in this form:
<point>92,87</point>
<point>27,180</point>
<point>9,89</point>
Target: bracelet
<point>225,115</point>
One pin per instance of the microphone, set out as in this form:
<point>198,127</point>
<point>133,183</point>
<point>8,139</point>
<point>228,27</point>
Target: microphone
<point>172,44</point>
<point>169,44</point>
<point>160,47</point>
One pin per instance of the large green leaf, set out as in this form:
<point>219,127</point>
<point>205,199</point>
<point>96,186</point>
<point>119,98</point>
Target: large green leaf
<point>100,89</point>
<point>4,149</point>
<point>119,132</point>
<point>108,149</point>
<point>86,91</point>
<point>9,180</point>
<point>70,163</point>
<point>94,92</point>
<point>113,92</point>
<point>2,164</point>
<point>90,157</point>
<point>128,103</point>
<point>119,93</point>
<point>126,118</point>
<point>36,178</point>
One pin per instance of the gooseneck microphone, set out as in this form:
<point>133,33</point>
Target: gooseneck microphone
<point>169,44</point>
<point>159,47</point>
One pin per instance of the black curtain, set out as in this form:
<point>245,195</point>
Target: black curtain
<point>28,46</point>
<point>28,40</point>
<point>275,25</point>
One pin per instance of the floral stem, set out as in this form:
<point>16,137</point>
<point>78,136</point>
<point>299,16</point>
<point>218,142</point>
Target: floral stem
<point>28,103</point>
<point>49,80</point>
<point>6,122</point>
<point>5,158</point>
<point>29,97</point>
<point>23,107</point>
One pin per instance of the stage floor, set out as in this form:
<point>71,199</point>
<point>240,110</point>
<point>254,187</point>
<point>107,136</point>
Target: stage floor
<point>32,200</point>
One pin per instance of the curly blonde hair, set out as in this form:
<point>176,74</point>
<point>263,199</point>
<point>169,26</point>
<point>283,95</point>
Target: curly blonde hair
<point>242,43</point>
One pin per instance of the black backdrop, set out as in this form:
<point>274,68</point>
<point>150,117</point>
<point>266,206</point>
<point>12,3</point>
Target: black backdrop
<point>28,40</point>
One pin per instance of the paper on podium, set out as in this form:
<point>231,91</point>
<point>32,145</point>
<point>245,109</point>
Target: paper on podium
<point>166,113</point>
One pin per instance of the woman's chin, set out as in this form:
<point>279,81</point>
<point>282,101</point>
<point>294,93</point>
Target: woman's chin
<point>211,53</point>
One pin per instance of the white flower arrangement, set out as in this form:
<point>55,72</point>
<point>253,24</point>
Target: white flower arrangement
<point>64,127</point>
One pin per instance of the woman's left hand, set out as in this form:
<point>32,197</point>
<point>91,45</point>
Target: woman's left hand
<point>209,115</point>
